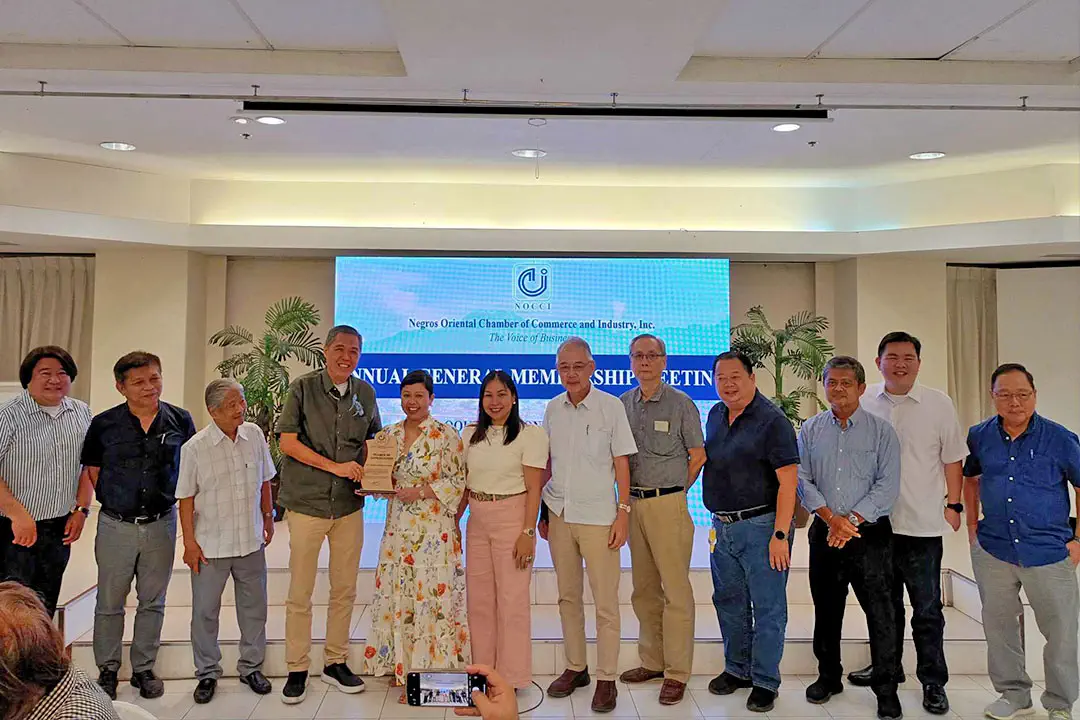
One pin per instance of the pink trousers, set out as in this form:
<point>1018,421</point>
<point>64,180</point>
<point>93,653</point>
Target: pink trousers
<point>499,601</point>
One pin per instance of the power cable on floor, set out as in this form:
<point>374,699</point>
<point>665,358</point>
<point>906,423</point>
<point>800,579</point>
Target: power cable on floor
<point>522,712</point>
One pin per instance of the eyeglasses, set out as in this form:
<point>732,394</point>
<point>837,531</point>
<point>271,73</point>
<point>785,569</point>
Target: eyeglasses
<point>576,367</point>
<point>1006,397</point>
<point>651,357</point>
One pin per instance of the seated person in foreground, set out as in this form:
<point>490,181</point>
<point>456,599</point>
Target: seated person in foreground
<point>37,681</point>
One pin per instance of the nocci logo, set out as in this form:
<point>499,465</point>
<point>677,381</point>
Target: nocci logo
<point>532,281</point>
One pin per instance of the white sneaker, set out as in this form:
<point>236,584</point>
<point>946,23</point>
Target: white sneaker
<point>1002,709</point>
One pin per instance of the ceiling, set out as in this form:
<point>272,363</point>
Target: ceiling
<point>779,52</point>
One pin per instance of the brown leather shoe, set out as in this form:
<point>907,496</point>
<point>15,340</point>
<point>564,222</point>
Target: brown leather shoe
<point>568,682</point>
<point>672,692</point>
<point>603,700</point>
<point>640,675</point>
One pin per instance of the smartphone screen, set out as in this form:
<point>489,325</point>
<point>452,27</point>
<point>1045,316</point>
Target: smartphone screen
<point>443,689</point>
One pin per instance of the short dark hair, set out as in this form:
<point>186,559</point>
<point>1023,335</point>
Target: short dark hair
<point>1008,368</point>
<point>899,337</point>
<point>57,353</point>
<point>419,377</point>
<point>734,355</point>
<point>133,360</point>
<point>845,362</point>
<point>344,330</point>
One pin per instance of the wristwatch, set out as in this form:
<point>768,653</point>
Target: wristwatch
<point>83,509</point>
<point>624,507</point>
<point>531,532</point>
<point>780,535</point>
<point>853,519</point>
<point>956,507</point>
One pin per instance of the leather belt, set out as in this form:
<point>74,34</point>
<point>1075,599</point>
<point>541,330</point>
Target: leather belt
<point>136,519</point>
<point>737,515</point>
<point>491,497</point>
<point>643,493</point>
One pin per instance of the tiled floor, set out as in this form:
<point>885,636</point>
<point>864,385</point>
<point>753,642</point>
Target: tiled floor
<point>968,695</point>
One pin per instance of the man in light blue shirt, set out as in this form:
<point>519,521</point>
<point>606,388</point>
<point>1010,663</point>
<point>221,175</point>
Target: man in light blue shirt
<point>849,477</point>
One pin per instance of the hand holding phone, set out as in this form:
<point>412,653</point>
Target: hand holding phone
<point>443,688</point>
<point>500,702</point>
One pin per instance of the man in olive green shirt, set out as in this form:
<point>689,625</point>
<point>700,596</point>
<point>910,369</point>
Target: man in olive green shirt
<point>328,415</point>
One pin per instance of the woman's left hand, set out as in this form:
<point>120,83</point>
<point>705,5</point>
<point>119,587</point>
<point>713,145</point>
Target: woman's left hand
<point>524,551</point>
<point>409,494</point>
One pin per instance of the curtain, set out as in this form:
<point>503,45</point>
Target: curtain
<point>46,300</point>
<point>973,343</point>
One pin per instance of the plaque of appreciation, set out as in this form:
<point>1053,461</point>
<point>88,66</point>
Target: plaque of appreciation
<point>382,455</point>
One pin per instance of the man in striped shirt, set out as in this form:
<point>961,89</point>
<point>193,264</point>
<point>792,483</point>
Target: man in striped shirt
<point>43,504</point>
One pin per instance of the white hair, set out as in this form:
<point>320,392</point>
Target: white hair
<point>218,389</point>
<point>575,342</point>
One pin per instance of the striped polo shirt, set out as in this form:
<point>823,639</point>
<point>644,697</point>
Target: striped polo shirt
<point>39,453</point>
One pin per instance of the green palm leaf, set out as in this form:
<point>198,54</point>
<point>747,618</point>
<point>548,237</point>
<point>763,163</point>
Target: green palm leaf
<point>291,315</point>
<point>232,335</point>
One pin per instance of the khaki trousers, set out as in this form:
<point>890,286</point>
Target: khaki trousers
<point>570,544</point>
<point>661,541</point>
<point>306,535</point>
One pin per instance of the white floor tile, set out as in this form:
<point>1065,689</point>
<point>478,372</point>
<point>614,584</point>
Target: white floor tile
<point>647,702</point>
<point>226,705</point>
<point>393,709</point>
<point>970,702</point>
<point>722,706</point>
<point>170,706</point>
<point>270,706</point>
<point>364,706</point>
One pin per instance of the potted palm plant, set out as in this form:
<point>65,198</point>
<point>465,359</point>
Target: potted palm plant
<point>260,364</point>
<point>798,347</point>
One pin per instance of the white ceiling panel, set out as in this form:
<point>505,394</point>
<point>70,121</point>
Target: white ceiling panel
<point>777,28</point>
<point>169,23</point>
<point>917,29</point>
<point>1047,31</point>
<point>322,24</point>
<point>51,22</point>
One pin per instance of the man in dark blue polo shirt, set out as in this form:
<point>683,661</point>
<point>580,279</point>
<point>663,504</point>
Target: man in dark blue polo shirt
<point>132,456</point>
<point>1020,468</point>
<point>750,485</point>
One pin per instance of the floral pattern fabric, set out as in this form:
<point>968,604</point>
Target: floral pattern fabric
<point>418,615</point>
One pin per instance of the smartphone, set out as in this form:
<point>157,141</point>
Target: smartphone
<point>442,688</point>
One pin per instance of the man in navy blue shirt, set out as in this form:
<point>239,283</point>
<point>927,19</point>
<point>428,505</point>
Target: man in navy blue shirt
<point>1020,468</point>
<point>749,486</point>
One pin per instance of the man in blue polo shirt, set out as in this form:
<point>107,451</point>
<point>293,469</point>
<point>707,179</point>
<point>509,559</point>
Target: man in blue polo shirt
<point>750,485</point>
<point>1020,467</point>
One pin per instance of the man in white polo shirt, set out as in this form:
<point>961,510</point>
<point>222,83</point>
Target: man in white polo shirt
<point>227,518</point>
<point>931,475</point>
<point>585,517</point>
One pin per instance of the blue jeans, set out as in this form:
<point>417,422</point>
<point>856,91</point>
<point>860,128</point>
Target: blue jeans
<point>750,599</point>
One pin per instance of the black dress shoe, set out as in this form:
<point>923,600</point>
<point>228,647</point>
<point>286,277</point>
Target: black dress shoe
<point>934,700</point>
<point>204,691</point>
<point>863,678</point>
<point>148,684</point>
<point>821,690</point>
<point>888,707</point>
<point>108,682</point>
<point>257,682</point>
<point>725,683</point>
<point>760,700</point>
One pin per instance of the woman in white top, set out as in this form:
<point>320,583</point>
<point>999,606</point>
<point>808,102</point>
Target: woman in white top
<point>505,460</point>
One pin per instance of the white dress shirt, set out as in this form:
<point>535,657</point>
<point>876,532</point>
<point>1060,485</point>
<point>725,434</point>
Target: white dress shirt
<point>226,478</point>
<point>585,440</point>
<point>930,439</point>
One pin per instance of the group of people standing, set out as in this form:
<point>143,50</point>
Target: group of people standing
<point>882,472</point>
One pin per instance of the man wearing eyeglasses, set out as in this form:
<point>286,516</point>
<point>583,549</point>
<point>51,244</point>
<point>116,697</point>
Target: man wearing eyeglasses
<point>1020,468</point>
<point>667,429</point>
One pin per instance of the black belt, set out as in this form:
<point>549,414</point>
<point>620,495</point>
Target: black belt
<point>643,493</point>
<point>136,519</point>
<point>736,516</point>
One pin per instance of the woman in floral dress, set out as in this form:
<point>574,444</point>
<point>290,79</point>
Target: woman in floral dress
<point>418,614</point>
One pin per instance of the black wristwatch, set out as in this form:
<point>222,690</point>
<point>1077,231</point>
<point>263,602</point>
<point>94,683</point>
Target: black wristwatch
<point>81,508</point>
<point>958,507</point>
<point>780,535</point>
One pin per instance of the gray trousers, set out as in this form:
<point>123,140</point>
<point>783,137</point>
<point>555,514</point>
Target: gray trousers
<point>249,582</point>
<point>145,553</point>
<point>1055,600</point>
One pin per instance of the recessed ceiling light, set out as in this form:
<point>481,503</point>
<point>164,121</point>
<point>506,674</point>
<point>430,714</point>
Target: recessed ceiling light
<point>786,127</point>
<point>241,120</point>
<point>528,153</point>
<point>121,146</point>
<point>927,155</point>
<point>537,122</point>
<point>270,120</point>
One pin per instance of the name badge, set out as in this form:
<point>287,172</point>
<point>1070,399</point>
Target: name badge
<point>660,426</point>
